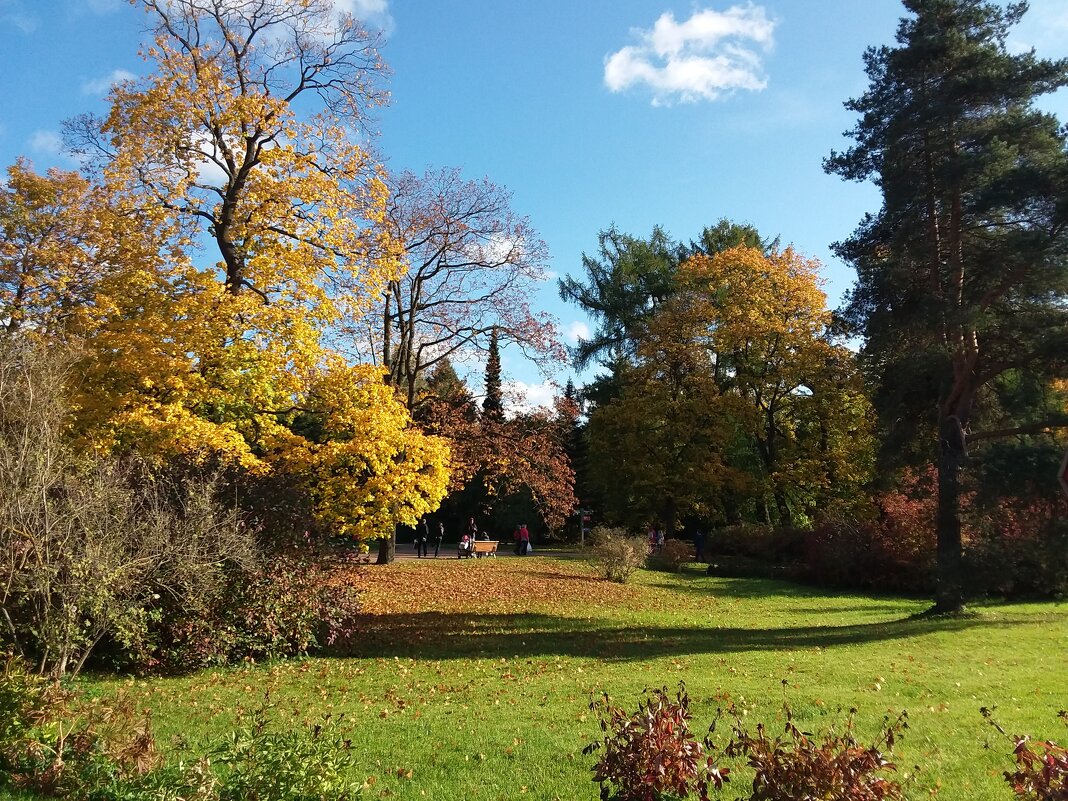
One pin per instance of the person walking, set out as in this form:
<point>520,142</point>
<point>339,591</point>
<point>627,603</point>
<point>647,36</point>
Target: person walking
<point>422,538</point>
<point>440,537</point>
<point>524,540</point>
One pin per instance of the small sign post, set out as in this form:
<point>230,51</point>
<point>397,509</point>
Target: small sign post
<point>584,518</point>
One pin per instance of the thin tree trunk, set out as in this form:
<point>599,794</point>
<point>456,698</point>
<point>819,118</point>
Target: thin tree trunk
<point>786,517</point>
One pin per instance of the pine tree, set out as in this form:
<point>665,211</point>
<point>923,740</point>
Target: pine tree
<point>962,274</point>
<point>493,404</point>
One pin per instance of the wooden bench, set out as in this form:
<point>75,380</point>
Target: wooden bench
<point>481,548</point>
<point>486,547</point>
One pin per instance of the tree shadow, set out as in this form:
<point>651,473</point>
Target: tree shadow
<point>439,635</point>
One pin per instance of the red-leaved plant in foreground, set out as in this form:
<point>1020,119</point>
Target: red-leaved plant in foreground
<point>1041,765</point>
<point>828,765</point>
<point>652,751</point>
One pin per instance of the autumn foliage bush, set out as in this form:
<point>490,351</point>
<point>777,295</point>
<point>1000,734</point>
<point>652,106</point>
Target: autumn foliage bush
<point>1014,546</point>
<point>1019,548</point>
<point>56,743</point>
<point>672,556</point>
<point>290,604</point>
<point>650,753</point>
<point>1041,765</point>
<point>831,766</point>
<point>890,546</point>
<point>618,553</point>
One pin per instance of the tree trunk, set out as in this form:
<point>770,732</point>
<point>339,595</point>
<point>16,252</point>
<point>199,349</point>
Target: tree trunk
<point>670,517</point>
<point>949,592</point>
<point>387,549</point>
<point>782,506</point>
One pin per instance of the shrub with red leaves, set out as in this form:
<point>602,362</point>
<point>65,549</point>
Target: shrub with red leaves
<point>652,751</point>
<point>828,766</point>
<point>1041,766</point>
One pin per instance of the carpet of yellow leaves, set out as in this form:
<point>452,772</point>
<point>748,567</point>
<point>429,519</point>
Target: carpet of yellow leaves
<point>535,584</point>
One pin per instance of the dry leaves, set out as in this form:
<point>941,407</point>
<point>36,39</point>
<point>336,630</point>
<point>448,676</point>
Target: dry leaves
<point>486,586</point>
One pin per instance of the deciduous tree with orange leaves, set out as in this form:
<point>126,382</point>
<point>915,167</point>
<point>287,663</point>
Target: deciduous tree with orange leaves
<point>737,401</point>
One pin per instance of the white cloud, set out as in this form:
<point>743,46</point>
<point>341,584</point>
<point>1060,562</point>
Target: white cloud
<point>208,170</point>
<point>575,331</point>
<point>521,397</point>
<point>47,142</point>
<point>705,57</point>
<point>99,86</point>
<point>373,13</point>
<point>362,8</point>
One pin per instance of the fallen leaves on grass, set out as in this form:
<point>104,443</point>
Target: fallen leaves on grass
<point>485,586</point>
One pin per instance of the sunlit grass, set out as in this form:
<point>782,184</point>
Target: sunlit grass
<point>471,680</point>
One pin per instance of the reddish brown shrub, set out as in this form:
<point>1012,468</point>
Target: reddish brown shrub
<point>652,751</point>
<point>830,766</point>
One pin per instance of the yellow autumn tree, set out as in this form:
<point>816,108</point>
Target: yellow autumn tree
<point>659,451</point>
<point>50,248</point>
<point>366,467</point>
<point>737,404</point>
<point>240,142</point>
<point>231,219</point>
<point>807,427</point>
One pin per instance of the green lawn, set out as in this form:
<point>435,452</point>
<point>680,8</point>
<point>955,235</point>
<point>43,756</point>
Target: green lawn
<point>471,680</point>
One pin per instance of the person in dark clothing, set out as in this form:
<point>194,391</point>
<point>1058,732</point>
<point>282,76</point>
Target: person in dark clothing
<point>422,538</point>
<point>699,545</point>
<point>440,537</point>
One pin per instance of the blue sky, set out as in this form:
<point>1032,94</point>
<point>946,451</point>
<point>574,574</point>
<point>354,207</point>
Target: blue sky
<point>593,112</point>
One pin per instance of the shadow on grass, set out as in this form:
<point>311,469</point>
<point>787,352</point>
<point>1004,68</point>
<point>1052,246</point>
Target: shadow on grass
<point>436,635</point>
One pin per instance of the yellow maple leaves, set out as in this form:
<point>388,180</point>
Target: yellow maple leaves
<point>205,272</point>
<point>367,468</point>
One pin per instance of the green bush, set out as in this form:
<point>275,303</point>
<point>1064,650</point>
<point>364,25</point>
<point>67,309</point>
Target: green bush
<point>258,762</point>
<point>54,743</point>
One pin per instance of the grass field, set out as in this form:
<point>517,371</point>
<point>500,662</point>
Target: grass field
<point>472,679</point>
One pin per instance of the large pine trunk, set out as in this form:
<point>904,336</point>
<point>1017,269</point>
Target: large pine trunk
<point>949,592</point>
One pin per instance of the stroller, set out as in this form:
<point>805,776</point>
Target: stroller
<point>466,548</point>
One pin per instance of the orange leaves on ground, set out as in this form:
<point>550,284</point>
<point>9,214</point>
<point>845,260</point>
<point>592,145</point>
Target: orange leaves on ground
<point>486,586</point>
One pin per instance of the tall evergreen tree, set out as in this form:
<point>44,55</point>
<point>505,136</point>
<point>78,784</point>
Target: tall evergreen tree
<point>962,274</point>
<point>493,403</point>
<point>624,283</point>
